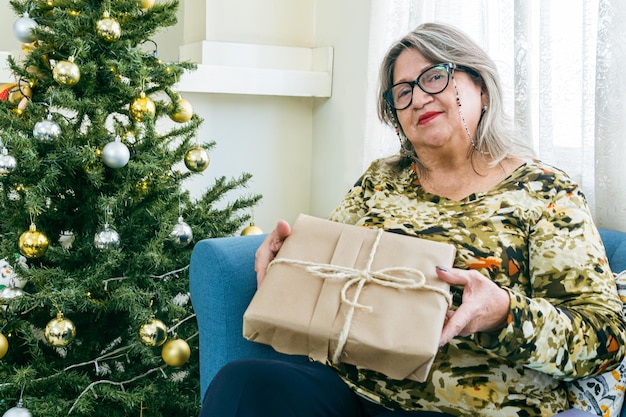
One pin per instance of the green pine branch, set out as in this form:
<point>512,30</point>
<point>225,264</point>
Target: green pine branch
<point>64,186</point>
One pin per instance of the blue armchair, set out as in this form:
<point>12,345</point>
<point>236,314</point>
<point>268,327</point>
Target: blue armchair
<point>222,282</point>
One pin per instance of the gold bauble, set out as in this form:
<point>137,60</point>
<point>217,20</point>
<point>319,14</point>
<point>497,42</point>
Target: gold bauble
<point>108,28</point>
<point>153,333</point>
<point>66,72</point>
<point>146,4</point>
<point>197,159</point>
<point>142,108</point>
<point>33,243</point>
<point>251,230</point>
<point>4,345</point>
<point>60,331</point>
<point>184,112</point>
<point>176,352</point>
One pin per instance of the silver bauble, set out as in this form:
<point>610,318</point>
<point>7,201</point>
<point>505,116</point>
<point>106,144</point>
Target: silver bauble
<point>115,154</point>
<point>23,29</point>
<point>18,411</point>
<point>47,130</point>
<point>182,234</point>
<point>106,239</point>
<point>7,162</point>
<point>8,293</point>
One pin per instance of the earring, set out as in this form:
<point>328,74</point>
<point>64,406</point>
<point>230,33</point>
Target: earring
<point>484,108</point>
<point>398,134</point>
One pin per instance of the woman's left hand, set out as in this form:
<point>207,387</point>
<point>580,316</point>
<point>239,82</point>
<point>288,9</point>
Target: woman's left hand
<point>484,306</point>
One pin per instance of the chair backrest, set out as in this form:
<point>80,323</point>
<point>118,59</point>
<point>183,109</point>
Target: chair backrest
<point>615,245</point>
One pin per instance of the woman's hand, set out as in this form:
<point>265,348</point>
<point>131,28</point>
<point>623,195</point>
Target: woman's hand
<point>269,248</point>
<point>484,307</point>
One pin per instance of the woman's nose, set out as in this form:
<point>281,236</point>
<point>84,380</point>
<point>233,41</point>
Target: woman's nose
<point>420,98</point>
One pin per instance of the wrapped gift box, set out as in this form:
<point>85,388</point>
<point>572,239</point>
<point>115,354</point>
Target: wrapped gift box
<point>345,293</point>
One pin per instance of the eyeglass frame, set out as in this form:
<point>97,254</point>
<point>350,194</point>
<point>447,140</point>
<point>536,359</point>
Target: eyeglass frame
<point>450,68</point>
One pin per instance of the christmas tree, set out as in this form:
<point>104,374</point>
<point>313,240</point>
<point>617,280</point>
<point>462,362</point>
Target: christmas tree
<point>97,228</point>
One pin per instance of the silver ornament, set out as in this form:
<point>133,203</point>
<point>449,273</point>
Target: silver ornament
<point>8,293</point>
<point>115,154</point>
<point>17,411</point>
<point>106,239</point>
<point>47,130</point>
<point>23,29</point>
<point>182,234</point>
<point>7,162</point>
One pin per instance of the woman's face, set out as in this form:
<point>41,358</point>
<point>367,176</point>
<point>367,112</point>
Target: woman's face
<point>432,121</point>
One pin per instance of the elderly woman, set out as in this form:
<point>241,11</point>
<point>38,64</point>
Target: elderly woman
<point>535,303</point>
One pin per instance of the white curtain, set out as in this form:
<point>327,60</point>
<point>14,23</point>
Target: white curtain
<point>563,66</point>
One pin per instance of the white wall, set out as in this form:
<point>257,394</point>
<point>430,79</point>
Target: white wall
<point>303,153</point>
<point>338,123</point>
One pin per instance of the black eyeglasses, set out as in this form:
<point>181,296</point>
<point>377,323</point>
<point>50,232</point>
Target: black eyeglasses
<point>433,80</point>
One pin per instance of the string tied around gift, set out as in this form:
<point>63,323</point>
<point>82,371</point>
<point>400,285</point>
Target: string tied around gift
<point>360,277</point>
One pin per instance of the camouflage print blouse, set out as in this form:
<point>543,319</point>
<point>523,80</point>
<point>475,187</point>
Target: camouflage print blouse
<point>533,235</point>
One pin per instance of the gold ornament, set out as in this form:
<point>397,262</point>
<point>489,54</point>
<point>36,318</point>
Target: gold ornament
<point>142,108</point>
<point>4,345</point>
<point>197,159</point>
<point>176,352</point>
<point>66,72</point>
<point>153,333</point>
<point>184,112</point>
<point>108,28</point>
<point>146,4</point>
<point>33,243</point>
<point>60,331</point>
<point>251,230</point>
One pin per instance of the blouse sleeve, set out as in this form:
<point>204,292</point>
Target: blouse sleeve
<point>571,324</point>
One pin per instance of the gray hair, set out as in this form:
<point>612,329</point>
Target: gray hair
<point>440,43</point>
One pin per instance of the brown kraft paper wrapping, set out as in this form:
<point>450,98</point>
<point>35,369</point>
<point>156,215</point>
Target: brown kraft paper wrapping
<point>344,293</point>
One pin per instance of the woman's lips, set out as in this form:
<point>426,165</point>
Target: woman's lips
<point>427,117</point>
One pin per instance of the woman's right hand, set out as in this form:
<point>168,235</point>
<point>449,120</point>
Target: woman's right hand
<point>269,248</point>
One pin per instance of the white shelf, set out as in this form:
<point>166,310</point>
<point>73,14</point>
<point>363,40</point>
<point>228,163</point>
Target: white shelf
<point>234,68</point>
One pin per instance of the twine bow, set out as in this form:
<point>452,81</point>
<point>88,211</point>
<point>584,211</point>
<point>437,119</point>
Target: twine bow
<point>360,277</point>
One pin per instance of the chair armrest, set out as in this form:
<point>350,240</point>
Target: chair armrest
<point>222,282</point>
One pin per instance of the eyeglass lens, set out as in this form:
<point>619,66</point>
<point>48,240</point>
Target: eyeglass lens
<point>432,81</point>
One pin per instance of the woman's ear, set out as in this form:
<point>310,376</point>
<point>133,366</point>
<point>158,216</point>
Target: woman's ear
<point>484,96</point>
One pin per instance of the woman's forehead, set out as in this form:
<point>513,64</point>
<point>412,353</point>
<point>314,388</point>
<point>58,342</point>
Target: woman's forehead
<point>410,64</point>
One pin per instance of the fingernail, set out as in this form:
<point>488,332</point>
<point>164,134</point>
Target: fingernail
<point>442,268</point>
